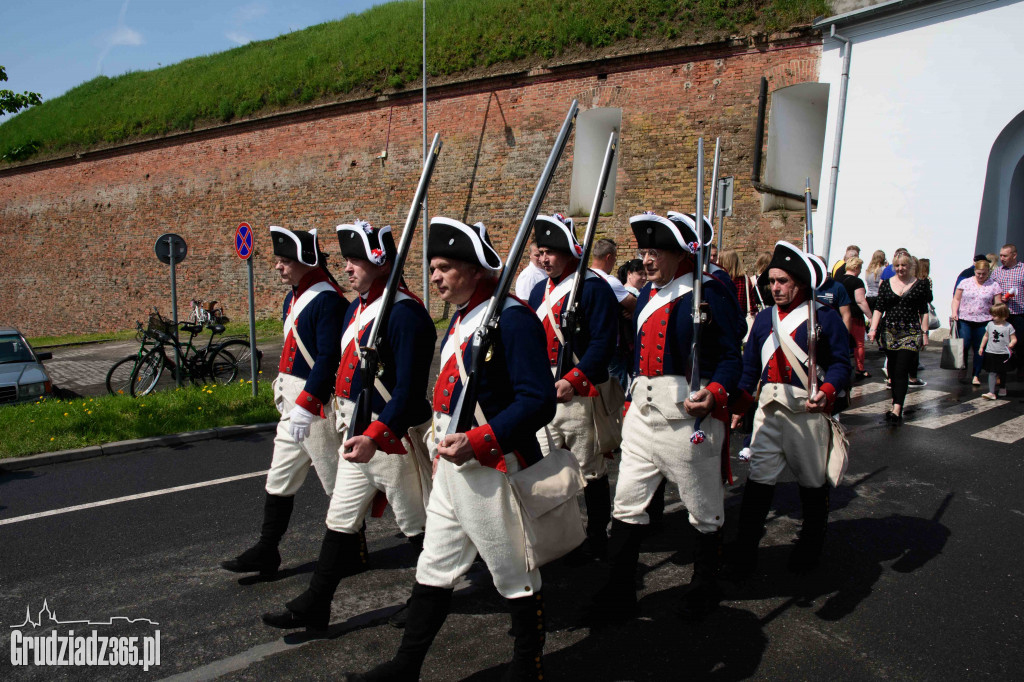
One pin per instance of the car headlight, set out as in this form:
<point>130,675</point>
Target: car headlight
<point>33,390</point>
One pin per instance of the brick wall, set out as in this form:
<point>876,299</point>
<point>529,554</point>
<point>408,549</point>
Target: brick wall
<point>76,236</point>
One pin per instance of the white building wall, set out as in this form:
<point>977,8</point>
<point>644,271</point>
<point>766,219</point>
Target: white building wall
<point>929,92</point>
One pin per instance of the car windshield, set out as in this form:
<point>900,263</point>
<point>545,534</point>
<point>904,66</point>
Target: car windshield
<point>14,349</point>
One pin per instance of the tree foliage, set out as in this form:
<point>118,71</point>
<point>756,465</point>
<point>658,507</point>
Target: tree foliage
<point>12,102</point>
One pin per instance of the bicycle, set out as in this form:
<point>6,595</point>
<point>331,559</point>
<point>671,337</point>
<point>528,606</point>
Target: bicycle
<point>222,362</point>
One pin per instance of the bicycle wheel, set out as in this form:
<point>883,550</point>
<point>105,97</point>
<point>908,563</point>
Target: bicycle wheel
<point>232,361</point>
<point>119,378</point>
<point>146,376</point>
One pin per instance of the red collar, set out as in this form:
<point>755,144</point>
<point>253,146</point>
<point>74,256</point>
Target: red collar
<point>797,300</point>
<point>309,279</point>
<point>375,292</point>
<point>483,291</point>
<point>685,268</point>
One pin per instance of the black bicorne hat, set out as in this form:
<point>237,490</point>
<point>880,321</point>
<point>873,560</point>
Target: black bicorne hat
<point>653,231</point>
<point>296,245</point>
<point>805,268</point>
<point>558,233</point>
<point>450,238</point>
<point>359,239</point>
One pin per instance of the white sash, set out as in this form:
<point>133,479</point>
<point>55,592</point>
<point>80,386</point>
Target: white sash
<point>787,326</point>
<point>467,325</point>
<point>293,317</point>
<point>363,317</point>
<point>560,291</point>
<point>677,288</point>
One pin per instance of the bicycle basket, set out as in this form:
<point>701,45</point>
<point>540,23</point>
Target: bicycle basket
<point>158,323</point>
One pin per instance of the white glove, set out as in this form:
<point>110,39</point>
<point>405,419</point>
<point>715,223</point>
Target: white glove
<point>301,419</point>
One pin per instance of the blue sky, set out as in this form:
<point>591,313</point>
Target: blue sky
<point>50,46</point>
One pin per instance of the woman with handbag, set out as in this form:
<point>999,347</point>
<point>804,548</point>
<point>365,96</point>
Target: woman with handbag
<point>972,300</point>
<point>900,300</point>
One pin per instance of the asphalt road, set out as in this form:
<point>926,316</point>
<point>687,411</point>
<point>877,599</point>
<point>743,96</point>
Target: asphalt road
<point>921,577</point>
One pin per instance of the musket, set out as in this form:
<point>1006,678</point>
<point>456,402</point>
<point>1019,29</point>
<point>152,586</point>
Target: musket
<point>369,361</point>
<point>713,201</point>
<point>698,274</point>
<point>483,337</point>
<point>812,315</point>
<point>571,317</point>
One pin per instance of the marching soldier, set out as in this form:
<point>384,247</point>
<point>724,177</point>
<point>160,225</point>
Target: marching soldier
<point>472,509</point>
<point>573,425</point>
<point>660,435</point>
<point>790,427</point>
<point>388,461</point>
<point>312,314</point>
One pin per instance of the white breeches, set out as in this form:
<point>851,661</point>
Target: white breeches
<point>785,434</point>
<point>573,429</point>
<point>404,479</point>
<point>291,460</point>
<point>472,510</point>
<point>654,448</point>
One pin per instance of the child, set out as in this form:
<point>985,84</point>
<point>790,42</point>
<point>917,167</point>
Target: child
<point>997,349</point>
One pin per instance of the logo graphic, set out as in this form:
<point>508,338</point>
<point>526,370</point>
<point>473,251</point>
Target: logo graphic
<point>63,647</point>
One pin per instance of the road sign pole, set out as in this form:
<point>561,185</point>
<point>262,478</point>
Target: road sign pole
<point>174,315</point>
<point>252,332</point>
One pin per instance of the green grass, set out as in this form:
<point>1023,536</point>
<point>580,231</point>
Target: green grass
<point>376,51</point>
<point>52,424</point>
<point>265,329</point>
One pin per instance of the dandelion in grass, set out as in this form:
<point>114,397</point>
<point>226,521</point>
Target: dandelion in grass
<point>65,414</point>
<point>51,438</point>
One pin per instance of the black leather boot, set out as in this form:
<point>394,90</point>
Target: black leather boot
<point>528,629</point>
<point>598,497</point>
<point>341,555</point>
<point>704,594</point>
<point>428,608</point>
<point>616,601</point>
<point>399,617</point>
<point>807,552</point>
<point>656,508</point>
<point>757,502</point>
<point>263,557</point>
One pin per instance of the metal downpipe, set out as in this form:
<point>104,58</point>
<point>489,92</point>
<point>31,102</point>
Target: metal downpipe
<point>840,118</point>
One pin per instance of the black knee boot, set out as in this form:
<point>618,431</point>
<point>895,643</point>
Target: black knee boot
<point>528,629</point>
<point>263,557</point>
<point>704,594</point>
<point>656,508</point>
<point>807,552</point>
<point>341,555</point>
<point>757,502</point>
<point>428,608</point>
<point>597,495</point>
<point>399,617</point>
<point>616,601</point>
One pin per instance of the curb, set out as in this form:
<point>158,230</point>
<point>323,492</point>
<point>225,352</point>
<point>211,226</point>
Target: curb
<point>121,447</point>
<point>75,343</point>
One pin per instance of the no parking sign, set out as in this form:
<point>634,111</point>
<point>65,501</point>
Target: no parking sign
<point>243,241</point>
<point>244,248</point>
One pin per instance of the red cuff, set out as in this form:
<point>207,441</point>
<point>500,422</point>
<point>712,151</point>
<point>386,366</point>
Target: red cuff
<point>485,447</point>
<point>719,394</point>
<point>580,383</point>
<point>742,403</point>
<point>310,403</point>
<point>385,437</point>
<point>830,394</point>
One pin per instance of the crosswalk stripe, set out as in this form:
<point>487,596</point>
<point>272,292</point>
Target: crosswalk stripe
<point>1009,431</point>
<point>861,390</point>
<point>881,406</point>
<point>957,413</point>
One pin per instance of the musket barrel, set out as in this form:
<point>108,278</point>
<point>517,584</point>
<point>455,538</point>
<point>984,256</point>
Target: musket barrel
<point>698,218</point>
<point>812,314</point>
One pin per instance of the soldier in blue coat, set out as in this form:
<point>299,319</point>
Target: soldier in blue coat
<point>472,509</point>
<point>388,461</point>
<point>312,313</point>
<point>667,433</point>
<point>593,346</point>
<point>791,429</point>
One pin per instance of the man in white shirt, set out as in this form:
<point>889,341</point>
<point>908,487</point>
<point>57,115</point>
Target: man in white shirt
<point>603,263</point>
<point>531,274</point>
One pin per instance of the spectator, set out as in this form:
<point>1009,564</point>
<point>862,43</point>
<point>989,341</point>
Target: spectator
<point>730,262</point>
<point>602,262</point>
<point>860,312</point>
<point>923,272</point>
<point>713,255</point>
<point>871,277</point>
<point>900,299</point>
<point>531,274</point>
<point>852,251</point>
<point>972,302</point>
<point>968,272</point>
<point>633,276</point>
<point>1010,275</point>
<point>888,270</point>
<point>764,294</point>
<point>997,348</point>
<point>833,294</point>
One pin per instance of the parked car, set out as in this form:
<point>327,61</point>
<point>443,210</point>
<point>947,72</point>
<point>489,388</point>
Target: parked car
<point>22,375</point>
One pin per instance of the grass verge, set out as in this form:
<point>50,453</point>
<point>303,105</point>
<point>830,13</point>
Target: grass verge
<point>51,424</point>
<point>265,329</point>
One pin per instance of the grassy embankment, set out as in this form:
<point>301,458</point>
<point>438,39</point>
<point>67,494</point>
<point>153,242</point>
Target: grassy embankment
<point>265,329</point>
<point>51,424</point>
<point>377,51</point>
